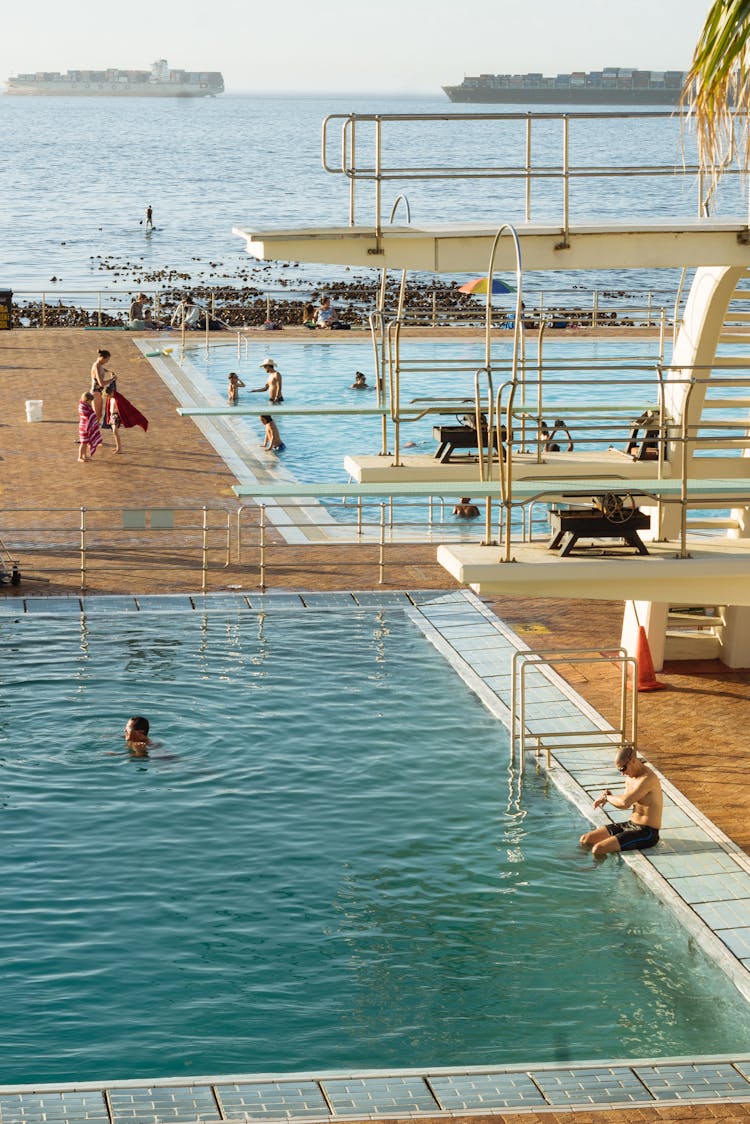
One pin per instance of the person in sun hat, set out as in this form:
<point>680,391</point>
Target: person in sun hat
<point>273,383</point>
<point>643,794</point>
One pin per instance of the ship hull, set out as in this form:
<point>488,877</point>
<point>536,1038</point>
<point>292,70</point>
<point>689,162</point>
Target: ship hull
<point>586,95</point>
<point>103,90</point>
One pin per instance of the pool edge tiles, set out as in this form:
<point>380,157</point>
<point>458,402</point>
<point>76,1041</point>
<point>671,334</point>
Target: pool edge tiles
<point>387,1094</point>
<point>716,922</point>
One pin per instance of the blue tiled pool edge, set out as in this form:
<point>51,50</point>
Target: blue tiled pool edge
<point>373,1094</point>
<point>699,871</point>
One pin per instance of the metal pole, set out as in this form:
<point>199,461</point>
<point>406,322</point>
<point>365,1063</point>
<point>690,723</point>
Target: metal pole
<point>204,563</point>
<point>381,558</point>
<point>229,539</point>
<point>528,168</point>
<point>566,182</point>
<point>263,547</point>
<point>83,549</point>
<point>99,309</point>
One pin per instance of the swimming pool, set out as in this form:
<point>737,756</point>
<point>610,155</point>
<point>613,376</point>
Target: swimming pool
<point>320,372</point>
<point>324,864</point>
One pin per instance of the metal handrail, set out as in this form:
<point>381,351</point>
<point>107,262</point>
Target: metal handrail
<point>376,172</point>
<point>545,659</point>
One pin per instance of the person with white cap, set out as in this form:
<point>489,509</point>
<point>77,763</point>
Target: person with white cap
<point>273,385</point>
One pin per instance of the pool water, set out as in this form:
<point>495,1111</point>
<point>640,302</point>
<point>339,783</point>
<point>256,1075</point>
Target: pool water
<point>324,864</point>
<point>318,373</point>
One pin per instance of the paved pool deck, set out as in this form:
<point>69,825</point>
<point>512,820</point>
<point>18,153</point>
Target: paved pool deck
<point>694,732</point>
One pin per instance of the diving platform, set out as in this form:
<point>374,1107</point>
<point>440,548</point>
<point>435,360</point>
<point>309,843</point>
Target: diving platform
<point>611,465</point>
<point>466,247</point>
<point>608,573</point>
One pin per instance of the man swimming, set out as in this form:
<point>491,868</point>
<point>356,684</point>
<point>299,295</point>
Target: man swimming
<point>136,736</point>
<point>643,794</point>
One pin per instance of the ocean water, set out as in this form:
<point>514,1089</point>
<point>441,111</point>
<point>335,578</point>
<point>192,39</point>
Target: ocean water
<point>73,212</point>
<point>287,882</point>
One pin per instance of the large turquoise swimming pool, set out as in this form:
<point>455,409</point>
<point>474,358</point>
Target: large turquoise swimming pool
<point>324,864</point>
<point>320,372</point>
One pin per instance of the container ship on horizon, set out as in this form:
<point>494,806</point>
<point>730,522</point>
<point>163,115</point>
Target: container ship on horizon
<point>158,82</point>
<point>612,86</point>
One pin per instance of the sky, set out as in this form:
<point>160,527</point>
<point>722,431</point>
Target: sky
<point>349,46</point>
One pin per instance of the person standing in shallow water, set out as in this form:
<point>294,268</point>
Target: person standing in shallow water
<point>272,384</point>
<point>233,388</point>
<point>643,794</point>
<point>149,218</point>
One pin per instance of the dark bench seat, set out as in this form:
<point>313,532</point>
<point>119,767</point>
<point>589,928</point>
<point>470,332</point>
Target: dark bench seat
<point>452,437</point>
<point>570,525</point>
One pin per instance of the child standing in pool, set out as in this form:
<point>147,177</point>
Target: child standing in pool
<point>233,388</point>
<point>272,439</point>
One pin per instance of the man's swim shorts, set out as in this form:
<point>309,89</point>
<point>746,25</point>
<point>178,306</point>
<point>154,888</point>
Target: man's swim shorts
<point>634,836</point>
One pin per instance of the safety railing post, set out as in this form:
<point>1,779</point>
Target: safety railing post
<point>99,309</point>
<point>44,311</point>
<point>238,555</point>
<point>83,549</point>
<point>204,552</point>
<point>381,553</point>
<point>228,555</point>
<point>262,543</point>
<point>528,168</point>
<point>566,178</point>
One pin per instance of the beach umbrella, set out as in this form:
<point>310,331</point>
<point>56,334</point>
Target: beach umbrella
<point>479,285</point>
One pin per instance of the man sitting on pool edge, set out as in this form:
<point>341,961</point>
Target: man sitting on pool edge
<point>642,794</point>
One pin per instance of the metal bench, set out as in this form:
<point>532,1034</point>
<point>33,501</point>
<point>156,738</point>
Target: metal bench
<point>451,437</point>
<point>614,521</point>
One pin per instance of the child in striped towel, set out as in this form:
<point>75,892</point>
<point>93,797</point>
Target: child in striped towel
<point>89,434</point>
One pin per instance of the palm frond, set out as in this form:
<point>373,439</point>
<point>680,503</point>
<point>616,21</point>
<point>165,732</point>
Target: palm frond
<point>717,87</point>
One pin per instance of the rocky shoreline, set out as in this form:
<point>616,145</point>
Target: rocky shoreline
<point>243,302</point>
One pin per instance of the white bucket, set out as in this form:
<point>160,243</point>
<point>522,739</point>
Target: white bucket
<point>34,409</point>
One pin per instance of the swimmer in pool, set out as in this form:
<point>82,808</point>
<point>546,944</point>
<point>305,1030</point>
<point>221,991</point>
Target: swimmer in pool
<point>136,736</point>
<point>643,794</point>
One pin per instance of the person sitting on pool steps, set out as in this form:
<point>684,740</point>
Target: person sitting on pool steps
<point>643,794</point>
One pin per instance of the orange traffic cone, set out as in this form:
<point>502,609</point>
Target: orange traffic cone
<point>647,681</point>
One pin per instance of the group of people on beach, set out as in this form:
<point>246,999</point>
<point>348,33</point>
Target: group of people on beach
<point>103,406</point>
<point>324,316</point>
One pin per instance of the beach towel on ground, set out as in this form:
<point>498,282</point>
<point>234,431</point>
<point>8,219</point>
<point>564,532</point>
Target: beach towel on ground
<point>128,414</point>
<point>88,427</point>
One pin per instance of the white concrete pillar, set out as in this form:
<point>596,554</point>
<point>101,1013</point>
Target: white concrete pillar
<point>735,641</point>
<point>653,616</point>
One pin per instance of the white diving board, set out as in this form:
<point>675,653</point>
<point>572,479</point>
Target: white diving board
<point>700,492</point>
<point>465,247</point>
<point>714,568</point>
<point>266,407</point>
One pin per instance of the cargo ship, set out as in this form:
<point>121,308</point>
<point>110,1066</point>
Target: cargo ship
<point>158,82</point>
<point>612,86</point>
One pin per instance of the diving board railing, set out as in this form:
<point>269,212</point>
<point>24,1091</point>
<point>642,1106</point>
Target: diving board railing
<point>549,733</point>
<point>554,151</point>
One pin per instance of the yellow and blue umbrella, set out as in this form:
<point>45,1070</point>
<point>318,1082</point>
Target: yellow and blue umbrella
<point>479,285</point>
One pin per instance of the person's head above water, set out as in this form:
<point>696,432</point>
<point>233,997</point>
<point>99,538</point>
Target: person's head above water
<point>136,730</point>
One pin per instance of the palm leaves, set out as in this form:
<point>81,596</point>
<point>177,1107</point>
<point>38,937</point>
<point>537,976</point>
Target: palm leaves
<point>717,88</point>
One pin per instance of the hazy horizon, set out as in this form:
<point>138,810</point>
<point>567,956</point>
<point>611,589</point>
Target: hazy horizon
<point>409,47</point>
